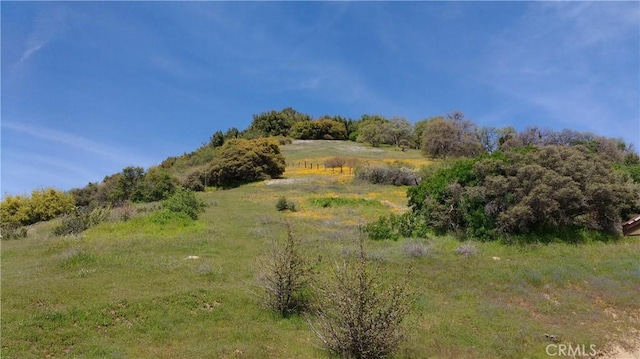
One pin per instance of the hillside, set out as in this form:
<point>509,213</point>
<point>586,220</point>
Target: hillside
<point>141,288</point>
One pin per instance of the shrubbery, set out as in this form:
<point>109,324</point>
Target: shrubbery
<point>285,205</point>
<point>42,205</point>
<point>534,190</point>
<point>81,219</point>
<point>184,201</point>
<point>241,161</point>
<point>360,316</point>
<point>396,226</point>
<point>397,173</point>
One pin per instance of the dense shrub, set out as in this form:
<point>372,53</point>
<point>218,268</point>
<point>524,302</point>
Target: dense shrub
<point>184,201</point>
<point>396,226</point>
<point>398,174</point>
<point>42,205</point>
<point>542,190</point>
<point>380,229</point>
<point>195,181</point>
<point>276,123</point>
<point>156,184</point>
<point>241,161</point>
<point>323,129</point>
<point>81,219</point>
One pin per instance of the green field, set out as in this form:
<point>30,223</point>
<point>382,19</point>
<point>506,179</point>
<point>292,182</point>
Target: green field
<point>145,289</point>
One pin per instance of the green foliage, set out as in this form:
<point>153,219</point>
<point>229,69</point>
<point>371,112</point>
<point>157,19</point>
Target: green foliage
<point>131,184</point>
<point>546,189</point>
<point>217,139</point>
<point>339,201</point>
<point>184,201</point>
<point>81,219</point>
<point>323,129</point>
<point>283,204</point>
<point>86,196</point>
<point>394,227</point>
<point>241,161</point>
<point>371,132</point>
<point>276,123</point>
<point>632,170</point>
<point>381,229</point>
<point>157,184</point>
<point>360,316</point>
<point>285,275</point>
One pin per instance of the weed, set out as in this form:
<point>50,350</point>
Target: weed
<point>358,316</point>
<point>340,201</point>
<point>466,250</point>
<point>415,249</point>
<point>283,204</point>
<point>284,276</point>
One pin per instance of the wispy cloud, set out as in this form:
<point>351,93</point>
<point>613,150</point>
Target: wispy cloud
<point>564,58</point>
<point>35,156</point>
<point>105,152</point>
<point>48,25</point>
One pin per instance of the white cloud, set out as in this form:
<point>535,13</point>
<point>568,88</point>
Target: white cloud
<point>571,61</point>
<point>49,24</point>
<point>105,152</point>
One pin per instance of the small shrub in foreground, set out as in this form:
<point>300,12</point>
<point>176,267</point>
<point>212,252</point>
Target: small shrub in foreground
<point>359,317</point>
<point>284,275</point>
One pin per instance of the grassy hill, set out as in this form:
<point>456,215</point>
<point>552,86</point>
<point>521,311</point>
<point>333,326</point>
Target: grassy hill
<point>143,288</point>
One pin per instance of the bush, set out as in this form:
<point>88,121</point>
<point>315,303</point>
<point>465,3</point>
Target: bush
<point>541,191</point>
<point>284,275</point>
<point>380,230</point>
<point>184,201</point>
<point>466,250</point>
<point>12,232</point>
<point>415,249</point>
<point>396,174</point>
<point>42,205</point>
<point>360,317</point>
<point>283,204</point>
<point>242,161</point>
<point>80,220</point>
<point>194,181</point>
<point>396,226</point>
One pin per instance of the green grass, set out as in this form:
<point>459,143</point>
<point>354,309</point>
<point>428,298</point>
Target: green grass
<point>134,289</point>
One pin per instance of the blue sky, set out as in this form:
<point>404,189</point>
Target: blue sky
<point>89,88</point>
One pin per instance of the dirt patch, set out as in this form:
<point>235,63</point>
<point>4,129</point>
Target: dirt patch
<point>618,352</point>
